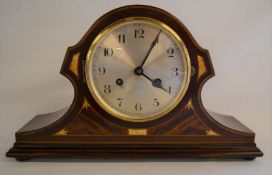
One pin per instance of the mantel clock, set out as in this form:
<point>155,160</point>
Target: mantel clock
<point>137,76</point>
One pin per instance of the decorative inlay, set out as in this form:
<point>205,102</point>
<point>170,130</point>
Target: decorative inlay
<point>189,104</point>
<point>62,132</point>
<point>137,132</point>
<point>74,64</point>
<point>201,66</point>
<point>212,133</point>
<point>86,104</point>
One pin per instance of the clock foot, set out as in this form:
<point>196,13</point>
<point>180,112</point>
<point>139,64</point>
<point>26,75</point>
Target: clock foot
<point>22,159</point>
<point>250,158</point>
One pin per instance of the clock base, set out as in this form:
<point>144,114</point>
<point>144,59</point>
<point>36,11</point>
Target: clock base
<point>138,152</point>
<point>33,141</point>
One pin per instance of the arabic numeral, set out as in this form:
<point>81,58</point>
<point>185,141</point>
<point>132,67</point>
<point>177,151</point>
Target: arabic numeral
<point>138,107</point>
<point>156,102</point>
<point>120,101</point>
<point>175,71</point>
<point>122,38</point>
<point>169,89</point>
<point>170,52</point>
<point>139,33</point>
<point>102,70</point>
<point>107,89</point>
<point>108,52</point>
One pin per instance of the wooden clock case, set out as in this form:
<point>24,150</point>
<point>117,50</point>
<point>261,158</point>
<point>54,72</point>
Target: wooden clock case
<point>85,130</point>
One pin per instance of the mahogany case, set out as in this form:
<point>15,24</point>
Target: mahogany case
<point>85,130</point>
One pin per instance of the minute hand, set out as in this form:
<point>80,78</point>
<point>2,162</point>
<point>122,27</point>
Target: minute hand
<point>150,49</point>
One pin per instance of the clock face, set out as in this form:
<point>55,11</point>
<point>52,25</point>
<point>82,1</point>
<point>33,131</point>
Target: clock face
<point>138,69</point>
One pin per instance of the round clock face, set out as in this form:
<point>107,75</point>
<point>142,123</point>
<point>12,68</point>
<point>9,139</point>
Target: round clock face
<point>138,69</point>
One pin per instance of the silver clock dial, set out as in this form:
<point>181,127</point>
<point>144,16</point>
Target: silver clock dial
<point>138,69</point>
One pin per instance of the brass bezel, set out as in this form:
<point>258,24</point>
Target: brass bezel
<point>113,111</point>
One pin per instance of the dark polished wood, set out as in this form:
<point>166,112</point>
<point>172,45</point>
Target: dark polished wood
<point>84,130</point>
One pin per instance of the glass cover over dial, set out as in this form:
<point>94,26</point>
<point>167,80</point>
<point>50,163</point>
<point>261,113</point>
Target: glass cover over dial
<point>138,69</point>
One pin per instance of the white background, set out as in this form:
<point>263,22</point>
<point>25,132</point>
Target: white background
<point>34,36</point>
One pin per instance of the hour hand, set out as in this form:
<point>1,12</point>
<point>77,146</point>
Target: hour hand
<point>157,83</point>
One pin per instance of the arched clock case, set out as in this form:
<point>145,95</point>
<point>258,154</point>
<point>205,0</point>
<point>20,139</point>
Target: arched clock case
<point>87,130</point>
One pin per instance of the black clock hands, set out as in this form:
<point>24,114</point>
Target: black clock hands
<point>157,83</point>
<point>150,49</point>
